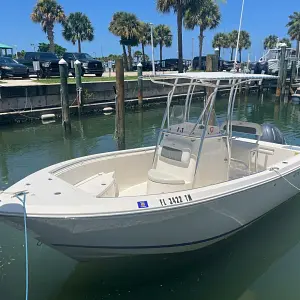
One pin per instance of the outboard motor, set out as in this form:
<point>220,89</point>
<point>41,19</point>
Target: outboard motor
<point>272,134</point>
<point>261,67</point>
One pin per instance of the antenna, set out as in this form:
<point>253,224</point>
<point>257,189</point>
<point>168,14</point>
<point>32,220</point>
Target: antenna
<point>238,40</point>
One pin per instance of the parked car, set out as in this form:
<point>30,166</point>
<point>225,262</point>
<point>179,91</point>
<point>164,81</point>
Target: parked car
<point>171,64</point>
<point>147,66</point>
<point>11,68</point>
<point>47,63</point>
<point>228,65</point>
<point>196,63</point>
<point>89,64</point>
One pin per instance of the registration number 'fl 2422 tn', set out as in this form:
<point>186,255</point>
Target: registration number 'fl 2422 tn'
<point>175,200</point>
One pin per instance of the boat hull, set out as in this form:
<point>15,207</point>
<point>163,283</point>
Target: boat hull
<point>174,229</point>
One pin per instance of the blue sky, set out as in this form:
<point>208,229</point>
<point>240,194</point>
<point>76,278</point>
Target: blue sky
<point>261,18</point>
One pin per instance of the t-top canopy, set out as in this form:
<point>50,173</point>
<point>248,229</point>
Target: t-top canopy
<point>210,76</point>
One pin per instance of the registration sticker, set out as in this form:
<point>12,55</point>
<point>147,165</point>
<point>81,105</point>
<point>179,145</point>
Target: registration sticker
<point>142,204</point>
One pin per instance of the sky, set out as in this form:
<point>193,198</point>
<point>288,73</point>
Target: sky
<point>261,18</point>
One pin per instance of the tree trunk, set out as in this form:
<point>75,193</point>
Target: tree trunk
<point>240,50</point>
<point>143,51</point>
<point>179,32</point>
<point>160,53</point>
<point>201,37</point>
<point>125,58</point>
<point>219,52</point>
<point>231,57</point>
<point>129,58</point>
<point>50,36</point>
<point>79,45</point>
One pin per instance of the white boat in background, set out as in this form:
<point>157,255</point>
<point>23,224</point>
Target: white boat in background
<point>269,63</point>
<point>296,96</point>
<point>198,185</point>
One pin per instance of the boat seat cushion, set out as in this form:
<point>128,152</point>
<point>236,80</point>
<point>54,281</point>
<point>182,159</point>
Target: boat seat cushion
<point>164,178</point>
<point>99,185</point>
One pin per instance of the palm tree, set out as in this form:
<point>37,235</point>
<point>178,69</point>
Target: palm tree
<point>232,37</point>
<point>244,43</point>
<point>114,28</point>
<point>127,27</point>
<point>206,16</point>
<point>179,7</point>
<point>78,28</point>
<point>294,33</point>
<point>287,41</point>
<point>270,41</point>
<point>144,37</point>
<point>47,13</point>
<point>163,37</point>
<point>220,41</point>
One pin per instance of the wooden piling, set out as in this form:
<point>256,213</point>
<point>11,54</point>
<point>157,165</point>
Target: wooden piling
<point>140,84</point>
<point>284,75</point>
<point>217,57</point>
<point>120,108</point>
<point>247,88</point>
<point>78,71</point>
<point>211,63</point>
<point>63,71</point>
<point>260,88</point>
<point>281,73</point>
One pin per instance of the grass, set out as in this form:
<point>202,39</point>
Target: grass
<point>195,71</point>
<point>85,79</point>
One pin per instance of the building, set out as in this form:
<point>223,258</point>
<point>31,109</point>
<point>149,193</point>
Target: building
<point>6,50</point>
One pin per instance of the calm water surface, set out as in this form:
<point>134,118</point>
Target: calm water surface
<point>261,262</point>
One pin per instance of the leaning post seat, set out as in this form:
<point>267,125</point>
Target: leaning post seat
<point>245,153</point>
<point>174,165</point>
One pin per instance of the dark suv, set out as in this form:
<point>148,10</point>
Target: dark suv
<point>47,61</point>
<point>171,64</point>
<point>89,64</point>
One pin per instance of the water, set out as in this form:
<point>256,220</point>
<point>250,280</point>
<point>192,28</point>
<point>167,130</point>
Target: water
<point>260,262</point>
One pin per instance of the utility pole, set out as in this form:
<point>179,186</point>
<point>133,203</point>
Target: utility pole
<point>193,49</point>
<point>152,48</point>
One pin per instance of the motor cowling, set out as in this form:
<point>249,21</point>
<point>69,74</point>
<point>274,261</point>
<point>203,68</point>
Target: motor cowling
<point>272,134</point>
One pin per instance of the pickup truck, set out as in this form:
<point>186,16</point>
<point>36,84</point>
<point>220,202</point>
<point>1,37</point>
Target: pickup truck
<point>89,65</point>
<point>47,62</point>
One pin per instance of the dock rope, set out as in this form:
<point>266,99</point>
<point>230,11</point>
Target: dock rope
<point>22,198</point>
<point>275,169</point>
<point>79,91</point>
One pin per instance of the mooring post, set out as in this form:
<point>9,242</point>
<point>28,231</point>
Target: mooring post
<point>280,73</point>
<point>217,58</point>
<point>78,71</point>
<point>247,88</point>
<point>284,75</point>
<point>140,84</point>
<point>260,87</point>
<point>63,71</point>
<point>120,108</point>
